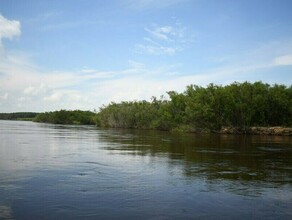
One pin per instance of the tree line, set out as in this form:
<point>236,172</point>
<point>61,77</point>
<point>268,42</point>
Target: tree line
<point>240,105</point>
<point>76,117</point>
<point>18,116</point>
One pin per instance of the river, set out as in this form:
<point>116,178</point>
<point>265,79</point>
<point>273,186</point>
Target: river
<point>81,172</point>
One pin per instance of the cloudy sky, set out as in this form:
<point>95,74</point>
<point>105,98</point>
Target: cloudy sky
<point>82,54</point>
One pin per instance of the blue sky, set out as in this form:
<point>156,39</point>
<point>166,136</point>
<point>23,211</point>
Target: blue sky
<point>82,54</point>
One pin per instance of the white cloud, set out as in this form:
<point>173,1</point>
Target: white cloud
<point>95,74</point>
<point>266,55</point>
<point>283,60</point>
<point>86,70</point>
<point>24,99</point>
<point>33,90</point>
<point>136,65</point>
<point>54,97</point>
<point>157,50</point>
<point>4,96</point>
<point>26,87</point>
<point>161,32</point>
<point>9,28</point>
<point>165,39</point>
<point>167,33</point>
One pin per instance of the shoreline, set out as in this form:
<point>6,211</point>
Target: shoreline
<point>263,131</point>
<point>271,131</point>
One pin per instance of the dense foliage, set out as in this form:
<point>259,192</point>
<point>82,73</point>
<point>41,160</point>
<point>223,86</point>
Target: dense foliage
<point>239,105</point>
<point>18,116</point>
<point>76,117</point>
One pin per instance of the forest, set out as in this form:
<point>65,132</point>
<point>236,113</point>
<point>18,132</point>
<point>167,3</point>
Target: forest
<point>210,108</point>
<point>197,109</point>
<point>76,117</point>
<point>18,116</point>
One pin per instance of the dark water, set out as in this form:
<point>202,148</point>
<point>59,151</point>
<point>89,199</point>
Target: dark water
<point>79,172</point>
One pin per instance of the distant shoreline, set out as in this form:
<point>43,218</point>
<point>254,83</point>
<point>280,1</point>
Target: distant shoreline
<point>271,131</point>
<point>238,108</point>
<point>263,131</point>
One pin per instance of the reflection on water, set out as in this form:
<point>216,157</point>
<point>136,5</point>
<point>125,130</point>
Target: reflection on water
<point>54,171</point>
<point>265,159</point>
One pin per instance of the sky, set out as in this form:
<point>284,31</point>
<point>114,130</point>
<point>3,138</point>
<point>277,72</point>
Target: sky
<point>84,54</point>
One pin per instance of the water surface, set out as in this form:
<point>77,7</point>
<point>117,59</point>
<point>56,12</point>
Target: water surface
<point>80,172</point>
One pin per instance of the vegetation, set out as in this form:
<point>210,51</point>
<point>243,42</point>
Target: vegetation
<point>76,117</point>
<point>239,105</point>
<point>25,116</point>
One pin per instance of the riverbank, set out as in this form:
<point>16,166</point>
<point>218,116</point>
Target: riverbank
<point>271,131</point>
<point>207,109</point>
<point>279,131</point>
<point>18,116</point>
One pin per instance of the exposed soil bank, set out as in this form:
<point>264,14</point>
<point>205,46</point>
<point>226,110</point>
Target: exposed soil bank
<point>281,131</point>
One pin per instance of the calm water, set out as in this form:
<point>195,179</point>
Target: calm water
<point>80,172</point>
